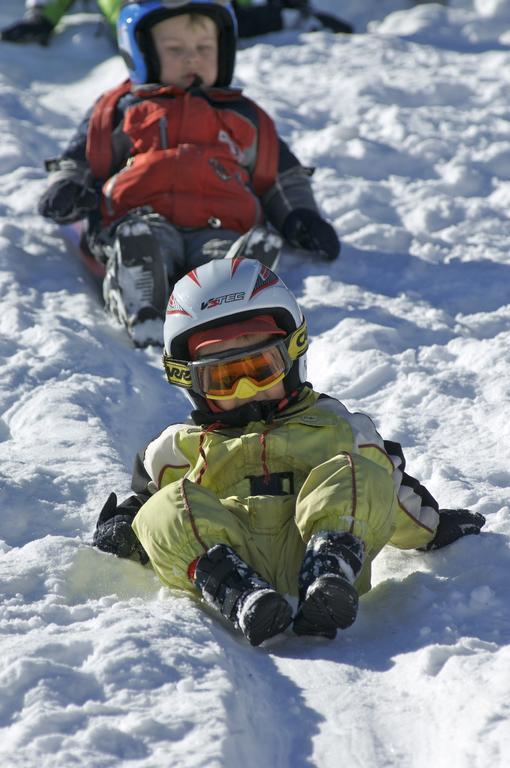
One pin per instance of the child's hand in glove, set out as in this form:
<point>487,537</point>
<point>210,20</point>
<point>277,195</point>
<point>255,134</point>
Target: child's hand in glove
<point>304,228</point>
<point>67,200</point>
<point>32,28</point>
<point>114,533</point>
<point>454,523</point>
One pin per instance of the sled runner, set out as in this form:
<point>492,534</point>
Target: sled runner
<point>76,245</point>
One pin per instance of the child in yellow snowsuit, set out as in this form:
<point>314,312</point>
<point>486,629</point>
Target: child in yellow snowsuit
<point>272,489</point>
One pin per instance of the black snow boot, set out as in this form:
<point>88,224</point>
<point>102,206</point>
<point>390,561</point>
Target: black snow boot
<point>135,288</point>
<point>243,597</point>
<point>327,598</point>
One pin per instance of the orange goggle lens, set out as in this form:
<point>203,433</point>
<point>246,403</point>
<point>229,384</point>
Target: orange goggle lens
<point>223,378</point>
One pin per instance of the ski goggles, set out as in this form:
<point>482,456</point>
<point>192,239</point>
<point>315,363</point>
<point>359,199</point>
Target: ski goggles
<point>239,373</point>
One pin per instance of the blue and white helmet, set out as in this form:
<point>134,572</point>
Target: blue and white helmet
<point>135,42</point>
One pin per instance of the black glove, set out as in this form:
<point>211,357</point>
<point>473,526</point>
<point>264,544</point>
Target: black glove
<point>298,4</point>
<point>32,28</point>
<point>454,523</point>
<point>67,200</point>
<point>114,533</point>
<point>327,20</point>
<point>333,24</point>
<point>304,228</point>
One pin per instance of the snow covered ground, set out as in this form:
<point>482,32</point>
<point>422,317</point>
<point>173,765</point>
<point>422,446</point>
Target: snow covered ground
<point>408,124</point>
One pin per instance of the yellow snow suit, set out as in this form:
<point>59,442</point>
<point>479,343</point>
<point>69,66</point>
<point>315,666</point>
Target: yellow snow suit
<point>266,488</point>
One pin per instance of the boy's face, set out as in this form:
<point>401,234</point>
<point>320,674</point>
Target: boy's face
<point>187,47</point>
<point>275,393</point>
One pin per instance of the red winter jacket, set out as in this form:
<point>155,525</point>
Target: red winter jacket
<point>198,157</point>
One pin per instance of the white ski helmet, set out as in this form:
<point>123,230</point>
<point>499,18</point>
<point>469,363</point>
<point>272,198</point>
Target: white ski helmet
<point>224,292</point>
<point>136,18</point>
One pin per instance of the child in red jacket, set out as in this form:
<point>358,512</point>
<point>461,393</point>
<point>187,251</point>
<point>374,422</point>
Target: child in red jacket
<point>173,167</point>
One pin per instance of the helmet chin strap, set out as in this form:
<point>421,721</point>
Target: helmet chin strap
<point>197,82</point>
<point>255,410</point>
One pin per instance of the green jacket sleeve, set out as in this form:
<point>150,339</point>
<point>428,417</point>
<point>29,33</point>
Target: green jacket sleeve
<point>110,10</point>
<point>53,10</point>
